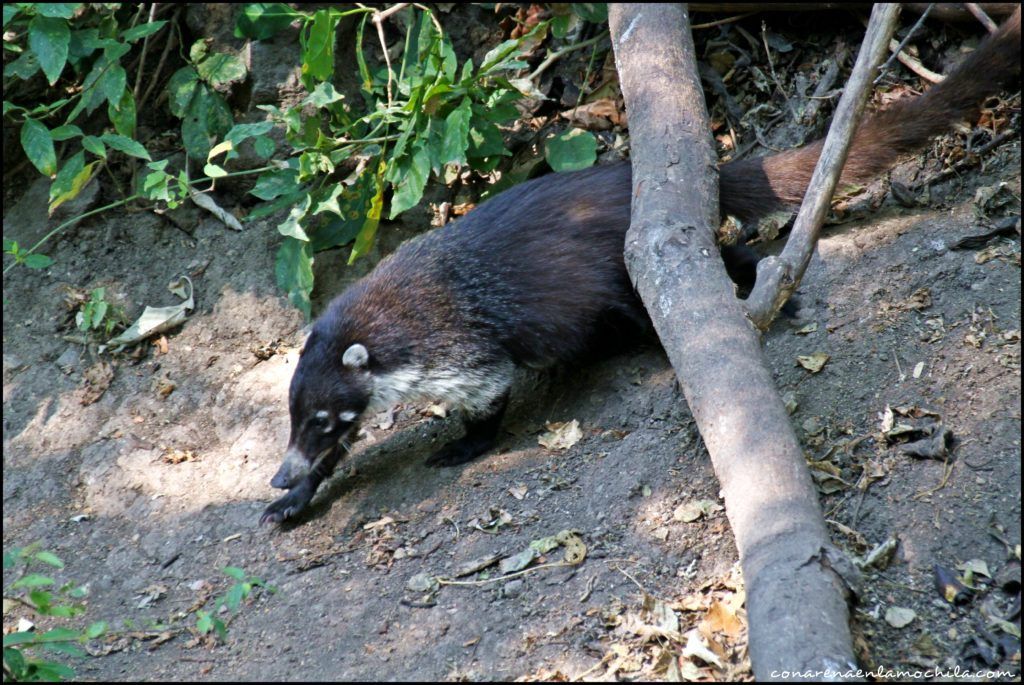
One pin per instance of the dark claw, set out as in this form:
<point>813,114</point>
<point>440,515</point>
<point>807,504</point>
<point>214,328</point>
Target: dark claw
<point>286,507</point>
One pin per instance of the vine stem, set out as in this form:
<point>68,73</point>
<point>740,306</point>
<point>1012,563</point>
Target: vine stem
<point>114,205</point>
<point>73,221</point>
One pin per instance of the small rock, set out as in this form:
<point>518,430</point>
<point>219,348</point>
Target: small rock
<point>421,582</point>
<point>69,359</point>
<point>899,617</point>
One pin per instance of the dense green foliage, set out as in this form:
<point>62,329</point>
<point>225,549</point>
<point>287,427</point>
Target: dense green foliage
<point>349,164</point>
<point>23,649</point>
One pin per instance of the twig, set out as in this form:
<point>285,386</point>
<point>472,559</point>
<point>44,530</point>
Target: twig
<point>986,21</point>
<point>719,22</point>
<point>171,40</point>
<point>555,564</point>
<point>898,50</point>
<point>778,277</point>
<point>554,56</point>
<point>914,64</point>
<point>972,159</point>
<point>142,55</point>
<point>378,21</point>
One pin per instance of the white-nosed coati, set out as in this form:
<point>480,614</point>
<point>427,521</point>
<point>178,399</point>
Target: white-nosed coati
<point>532,276</point>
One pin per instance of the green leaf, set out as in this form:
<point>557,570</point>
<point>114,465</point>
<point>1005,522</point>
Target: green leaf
<point>141,31</point>
<point>111,85</point>
<point>496,58</point>
<point>38,146</point>
<point>32,580</point>
<point>234,597</point>
<point>350,206</point>
<point>10,11</point>
<point>412,178</point>
<point>574,149</point>
<point>65,132</point>
<point>261,20</point>
<point>64,10</point>
<point>64,648</point>
<point>64,186</point>
<point>596,12</point>
<point>49,558</point>
<point>456,134</point>
<point>197,53</point>
<point>52,671</point>
<point>323,95</point>
<point>126,145</point>
<point>271,184</point>
<point>241,132</point>
<point>19,638</point>
<point>291,227</point>
<point>264,147</point>
<point>95,146</point>
<point>294,271</point>
<point>364,241</point>
<point>208,117</point>
<point>318,48</point>
<point>48,37</point>
<point>180,90</point>
<point>96,629</point>
<point>204,622</point>
<point>277,204</point>
<point>24,67</point>
<point>221,68</point>
<point>38,261</point>
<point>234,572</point>
<point>122,116</point>
<point>214,171</point>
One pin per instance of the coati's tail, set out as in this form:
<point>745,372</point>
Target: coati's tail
<point>751,187</point>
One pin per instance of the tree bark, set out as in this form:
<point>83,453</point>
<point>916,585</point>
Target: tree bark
<point>795,590</point>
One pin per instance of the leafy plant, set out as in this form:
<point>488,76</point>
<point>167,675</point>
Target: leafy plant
<point>21,648</point>
<point>93,314</point>
<point>424,115</point>
<point>192,97</point>
<point>207,622</point>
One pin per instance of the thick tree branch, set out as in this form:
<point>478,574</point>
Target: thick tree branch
<point>795,590</point>
<point>778,277</point>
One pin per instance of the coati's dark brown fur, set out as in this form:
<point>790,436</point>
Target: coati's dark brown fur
<point>535,275</point>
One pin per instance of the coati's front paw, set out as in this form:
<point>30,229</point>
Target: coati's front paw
<point>286,507</point>
<point>459,452</point>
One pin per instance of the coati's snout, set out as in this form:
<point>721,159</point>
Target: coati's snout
<point>325,408</point>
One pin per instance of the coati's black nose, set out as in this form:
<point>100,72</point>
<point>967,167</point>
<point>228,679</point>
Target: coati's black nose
<point>283,478</point>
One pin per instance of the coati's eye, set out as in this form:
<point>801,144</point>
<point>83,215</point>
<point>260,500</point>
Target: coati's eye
<point>322,420</point>
<point>348,416</point>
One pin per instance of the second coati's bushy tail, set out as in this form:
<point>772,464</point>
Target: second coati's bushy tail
<point>751,187</point>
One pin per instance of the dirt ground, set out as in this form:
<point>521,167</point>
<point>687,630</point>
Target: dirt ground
<point>149,491</point>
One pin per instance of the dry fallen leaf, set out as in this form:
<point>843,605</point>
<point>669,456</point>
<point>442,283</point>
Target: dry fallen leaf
<point>813,362</point>
<point>561,436</point>
<point>722,619</point>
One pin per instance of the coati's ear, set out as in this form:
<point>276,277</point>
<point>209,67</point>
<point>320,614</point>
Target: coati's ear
<point>355,357</point>
<point>306,332</point>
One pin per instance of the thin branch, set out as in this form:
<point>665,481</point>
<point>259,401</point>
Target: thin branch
<point>778,277</point>
<point>142,55</point>
<point>171,41</point>
<point>975,9</point>
<point>898,50</point>
<point>720,22</point>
